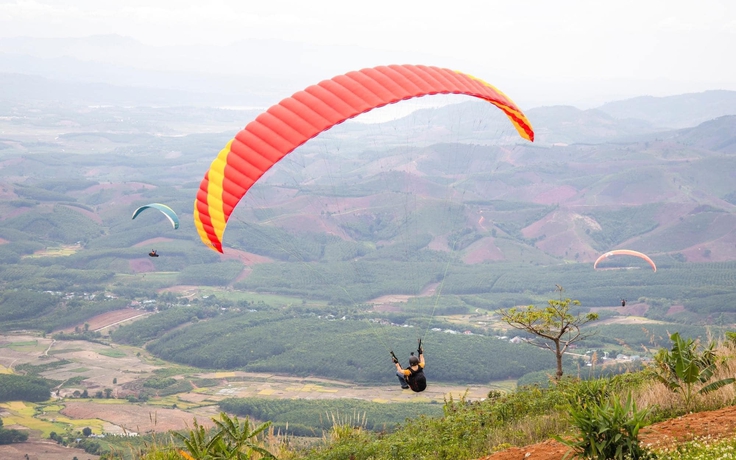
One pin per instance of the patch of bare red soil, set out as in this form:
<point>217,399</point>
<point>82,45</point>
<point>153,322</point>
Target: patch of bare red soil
<point>481,251</point>
<point>139,419</point>
<point>141,265</point>
<point>42,450</point>
<point>109,319</point>
<point>631,309</point>
<point>716,424</point>
<point>248,258</point>
<point>180,289</point>
<point>556,195</point>
<point>717,250</point>
<point>634,309</point>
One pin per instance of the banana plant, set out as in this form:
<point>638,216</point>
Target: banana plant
<point>688,371</point>
<point>231,440</point>
<point>240,437</point>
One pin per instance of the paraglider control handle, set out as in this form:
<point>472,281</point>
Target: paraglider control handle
<point>394,358</point>
<point>420,350</point>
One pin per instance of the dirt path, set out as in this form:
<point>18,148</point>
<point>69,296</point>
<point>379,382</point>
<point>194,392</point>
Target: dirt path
<point>716,424</point>
<point>46,353</point>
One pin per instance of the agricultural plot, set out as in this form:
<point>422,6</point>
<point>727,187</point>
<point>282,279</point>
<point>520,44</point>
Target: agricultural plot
<point>92,366</point>
<point>42,450</point>
<point>137,418</point>
<point>56,251</point>
<point>108,321</point>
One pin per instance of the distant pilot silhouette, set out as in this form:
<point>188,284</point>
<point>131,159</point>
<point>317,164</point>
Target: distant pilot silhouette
<point>153,253</point>
<point>623,302</point>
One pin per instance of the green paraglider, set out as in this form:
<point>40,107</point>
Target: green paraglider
<point>167,211</point>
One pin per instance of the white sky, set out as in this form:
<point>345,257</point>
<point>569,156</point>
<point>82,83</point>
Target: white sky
<point>542,46</point>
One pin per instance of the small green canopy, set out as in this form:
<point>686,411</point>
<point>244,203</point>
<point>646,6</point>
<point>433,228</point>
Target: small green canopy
<point>167,211</point>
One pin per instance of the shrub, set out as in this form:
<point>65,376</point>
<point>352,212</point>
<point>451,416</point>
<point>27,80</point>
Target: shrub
<point>607,429</point>
<point>684,368</point>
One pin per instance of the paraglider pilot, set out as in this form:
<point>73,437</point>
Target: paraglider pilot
<point>623,302</point>
<point>413,376</point>
<point>153,253</point>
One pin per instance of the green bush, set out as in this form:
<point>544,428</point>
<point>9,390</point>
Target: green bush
<point>159,383</point>
<point>607,427</point>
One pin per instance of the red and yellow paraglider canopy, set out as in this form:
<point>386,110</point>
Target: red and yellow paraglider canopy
<point>625,252</point>
<point>293,121</point>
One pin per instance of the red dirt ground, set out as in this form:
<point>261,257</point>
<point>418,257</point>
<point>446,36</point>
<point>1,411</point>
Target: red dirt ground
<point>42,450</point>
<point>109,318</point>
<point>556,195</point>
<point>481,251</point>
<point>179,289</point>
<point>141,265</point>
<point>716,424</point>
<point>721,249</point>
<point>564,235</point>
<point>134,418</point>
<point>631,309</point>
<point>248,258</point>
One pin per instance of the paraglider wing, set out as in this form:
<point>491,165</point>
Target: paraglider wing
<point>293,121</point>
<point>625,252</point>
<point>167,211</point>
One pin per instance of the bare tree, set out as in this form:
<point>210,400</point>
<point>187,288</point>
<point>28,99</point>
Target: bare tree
<point>554,326</point>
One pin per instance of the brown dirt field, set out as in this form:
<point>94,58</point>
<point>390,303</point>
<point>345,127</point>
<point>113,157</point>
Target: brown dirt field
<point>564,235</point>
<point>721,249</point>
<point>381,302</point>
<point>675,309</point>
<point>482,251</point>
<point>630,320</point>
<point>248,258</point>
<point>716,424</point>
<point>42,450</point>
<point>556,195</point>
<point>439,243</point>
<point>181,289</point>
<point>110,318</point>
<point>631,309</point>
<point>141,265</point>
<point>134,417</point>
<point>3,241</point>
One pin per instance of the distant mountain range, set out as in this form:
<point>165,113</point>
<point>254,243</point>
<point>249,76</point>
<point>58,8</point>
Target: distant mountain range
<point>591,183</point>
<point>112,69</point>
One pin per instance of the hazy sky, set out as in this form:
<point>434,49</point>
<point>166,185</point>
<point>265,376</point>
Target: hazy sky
<point>633,47</point>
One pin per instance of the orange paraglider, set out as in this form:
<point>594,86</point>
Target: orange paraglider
<point>296,119</point>
<point>625,252</point>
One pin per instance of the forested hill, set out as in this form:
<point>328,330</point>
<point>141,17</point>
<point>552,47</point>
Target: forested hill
<point>559,200</point>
